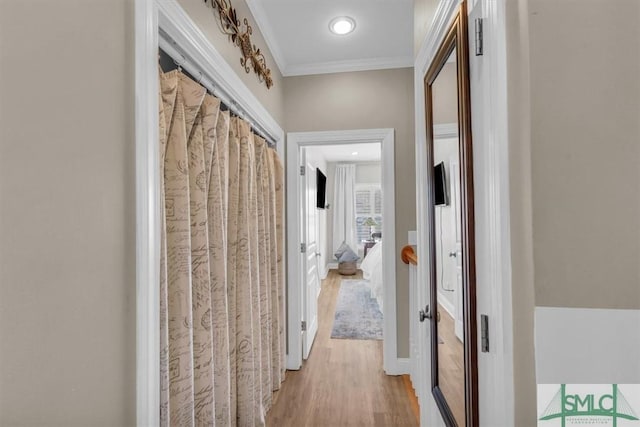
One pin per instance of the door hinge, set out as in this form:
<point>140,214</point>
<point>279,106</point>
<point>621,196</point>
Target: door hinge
<point>479,37</point>
<point>484,333</point>
<point>303,248</point>
<point>302,170</point>
<point>304,326</point>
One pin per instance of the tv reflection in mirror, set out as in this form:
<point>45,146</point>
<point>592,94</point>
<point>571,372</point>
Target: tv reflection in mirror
<point>321,182</point>
<point>440,183</point>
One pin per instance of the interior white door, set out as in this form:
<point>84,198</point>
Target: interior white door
<point>457,254</point>
<point>311,285</point>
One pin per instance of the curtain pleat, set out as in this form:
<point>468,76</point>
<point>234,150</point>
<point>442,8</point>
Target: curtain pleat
<point>218,261</point>
<point>263,273</point>
<point>279,219</point>
<point>222,342</point>
<point>168,91</point>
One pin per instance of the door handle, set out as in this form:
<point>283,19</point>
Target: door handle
<point>318,254</point>
<point>424,314</point>
<point>453,254</point>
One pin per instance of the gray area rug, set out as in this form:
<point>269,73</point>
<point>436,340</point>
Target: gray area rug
<point>358,315</point>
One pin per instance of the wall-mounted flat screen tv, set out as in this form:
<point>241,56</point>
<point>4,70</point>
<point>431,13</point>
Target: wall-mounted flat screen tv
<point>440,183</point>
<point>321,182</point>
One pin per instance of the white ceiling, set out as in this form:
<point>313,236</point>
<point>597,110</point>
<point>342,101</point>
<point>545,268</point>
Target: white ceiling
<point>297,33</point>
<point>344,152</point>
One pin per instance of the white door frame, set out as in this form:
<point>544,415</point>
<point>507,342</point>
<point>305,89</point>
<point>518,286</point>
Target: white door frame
<point>492,204</point>
<point>296,140</point>
<point>150,17</point>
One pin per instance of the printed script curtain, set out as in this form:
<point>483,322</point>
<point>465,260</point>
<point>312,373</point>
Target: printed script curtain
<point>221,290</point>
<point>344,207</point>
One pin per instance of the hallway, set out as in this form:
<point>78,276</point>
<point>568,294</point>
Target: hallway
<point>342,383</point>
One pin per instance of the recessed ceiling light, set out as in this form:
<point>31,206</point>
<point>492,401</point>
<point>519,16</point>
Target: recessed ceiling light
<point>342,25</point>
<point>355,153</point>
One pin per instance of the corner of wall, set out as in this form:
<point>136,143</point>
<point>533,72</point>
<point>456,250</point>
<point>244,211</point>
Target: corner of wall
<point>519,134</point>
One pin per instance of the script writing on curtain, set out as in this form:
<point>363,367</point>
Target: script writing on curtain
<point>222,246</point>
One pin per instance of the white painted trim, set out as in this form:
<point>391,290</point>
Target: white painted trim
<point>429,412</point>
<point>401,367</point>
<point>151,16</point>
<point>448,307</point>
<point>181,30</point>
<point>147,216</point>
<point>332,266</point>
<point>445,130</point>
<point>296,140</point>
<point>348,66</point>
<point>260,16</point>
<point>256,7</point>
<point>412,238</point>
<point>324,272</point>
<point>496,378</point>
<point>493,224</point>
<point>443,16</point>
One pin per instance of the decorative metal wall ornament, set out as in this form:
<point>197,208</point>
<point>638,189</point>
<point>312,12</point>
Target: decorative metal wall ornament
<point>252,57</point>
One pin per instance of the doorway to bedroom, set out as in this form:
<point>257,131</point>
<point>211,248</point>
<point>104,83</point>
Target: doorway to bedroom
<point>344,215</point>
<point>341,214</point>
<point>342,330</point>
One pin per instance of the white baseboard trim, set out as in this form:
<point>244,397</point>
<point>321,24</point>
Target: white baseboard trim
<point>442,300</point>
<point>324,272</point>
<point>332,266</point>
<point>400,366</point>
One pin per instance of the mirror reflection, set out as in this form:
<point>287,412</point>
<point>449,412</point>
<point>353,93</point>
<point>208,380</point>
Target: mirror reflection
<point>448,239</point>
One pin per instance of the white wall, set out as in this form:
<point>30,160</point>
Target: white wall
<point>366,173</point>
<point>587,346</point>
<point>315,157</point>
<point>445,150</point>
<point>331,172</point>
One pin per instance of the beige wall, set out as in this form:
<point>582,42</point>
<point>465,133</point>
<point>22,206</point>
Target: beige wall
<point>370,99</point>
<point>574,129</point>
<point>585,139</point>
<point>423,13</point>
<point>519,119</point>
<point>67,221</point>
<point>207,21</point>
<point>445,95</point>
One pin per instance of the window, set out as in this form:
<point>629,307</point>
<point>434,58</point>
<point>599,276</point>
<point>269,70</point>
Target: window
<point>368,204</point>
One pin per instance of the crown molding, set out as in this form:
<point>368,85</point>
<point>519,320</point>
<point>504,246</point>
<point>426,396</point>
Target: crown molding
<point>441,20</point>
<point>348,66</point>
<point>260,17</point>
<point>256,7</point>
<point>178,32</point>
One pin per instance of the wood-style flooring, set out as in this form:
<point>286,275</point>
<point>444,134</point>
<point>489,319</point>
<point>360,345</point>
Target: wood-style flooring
<point>342,383</point>
<point>451,366</point>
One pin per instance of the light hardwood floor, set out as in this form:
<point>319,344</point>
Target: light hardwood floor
<point>342,383</point>
<point>451,365</point>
